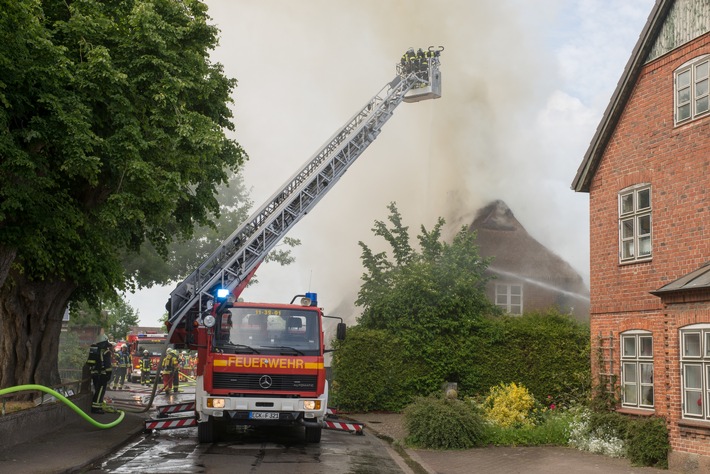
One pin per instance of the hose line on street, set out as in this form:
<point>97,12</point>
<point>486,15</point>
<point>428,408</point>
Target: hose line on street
<point>61,397</point>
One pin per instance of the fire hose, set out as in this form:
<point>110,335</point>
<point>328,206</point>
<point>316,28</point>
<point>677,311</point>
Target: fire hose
<point>68,402</point>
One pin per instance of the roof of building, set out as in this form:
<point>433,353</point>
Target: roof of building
<point>696,280</point>
<point>624,88</point>
<point>501,236</point>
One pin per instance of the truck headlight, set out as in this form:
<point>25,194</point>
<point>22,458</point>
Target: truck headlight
<point>311,404</point>
<point>215,402</point>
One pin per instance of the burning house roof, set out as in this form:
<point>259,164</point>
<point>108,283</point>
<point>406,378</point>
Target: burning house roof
<point>518,256</point>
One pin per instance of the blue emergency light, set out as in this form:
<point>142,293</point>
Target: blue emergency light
<point>313,297</point>
<point>222,293</point>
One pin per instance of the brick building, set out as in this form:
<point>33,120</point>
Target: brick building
<point>527,275</point>
<point>647,175</point>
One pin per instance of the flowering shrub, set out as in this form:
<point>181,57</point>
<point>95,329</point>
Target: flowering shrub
<point>509,405</point>
<point>595,437</point>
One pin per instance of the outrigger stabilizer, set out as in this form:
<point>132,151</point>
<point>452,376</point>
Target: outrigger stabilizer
<point>167,421</point>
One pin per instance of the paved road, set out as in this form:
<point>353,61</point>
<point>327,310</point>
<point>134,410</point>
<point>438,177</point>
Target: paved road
<point>262,451</point>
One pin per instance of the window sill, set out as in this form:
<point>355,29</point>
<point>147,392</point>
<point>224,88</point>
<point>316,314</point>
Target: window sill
<point>694,429</point>
<point>636,411</point>
<point>623,263</point>
<point>699,424</point>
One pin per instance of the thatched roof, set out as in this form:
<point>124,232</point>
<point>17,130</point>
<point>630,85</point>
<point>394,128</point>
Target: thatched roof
<point>500,235</point>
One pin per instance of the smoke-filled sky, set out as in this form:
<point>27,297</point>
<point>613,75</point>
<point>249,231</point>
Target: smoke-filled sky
<point>525,83</point>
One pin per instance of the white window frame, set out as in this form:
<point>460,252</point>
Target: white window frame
<point>691,90</point>
<point>635,224</point>
<point>509,296</point>
<point>695,357</point>
<point>636,366</point>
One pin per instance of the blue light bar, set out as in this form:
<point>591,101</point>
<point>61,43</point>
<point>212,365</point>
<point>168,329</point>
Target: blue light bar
<point>222,293</point>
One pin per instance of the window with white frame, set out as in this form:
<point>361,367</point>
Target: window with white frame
<point>691,89</point>
<point>635,223</point>
<point>510,297</point>
<point>695,370</point>
<point>637,369</point>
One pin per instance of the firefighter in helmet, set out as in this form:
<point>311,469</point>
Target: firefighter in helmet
<point>145,368</point>
<point>170,363</point>
<point>99,363</point>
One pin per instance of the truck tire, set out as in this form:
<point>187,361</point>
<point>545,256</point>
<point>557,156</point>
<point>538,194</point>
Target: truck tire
<point>205,431</point>
<point>313,435</point>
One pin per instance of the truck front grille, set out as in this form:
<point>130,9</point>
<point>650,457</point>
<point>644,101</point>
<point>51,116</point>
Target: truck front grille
<point>299,383</point>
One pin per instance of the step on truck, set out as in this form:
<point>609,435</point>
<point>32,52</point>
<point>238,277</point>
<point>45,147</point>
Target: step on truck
<point>262,364</point>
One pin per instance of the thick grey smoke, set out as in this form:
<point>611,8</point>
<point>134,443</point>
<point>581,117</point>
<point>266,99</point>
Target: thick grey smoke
<point>525,84</point>
<point>305,67</point>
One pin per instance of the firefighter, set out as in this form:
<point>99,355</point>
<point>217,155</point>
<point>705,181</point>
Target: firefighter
<point>170,363</point>
<point>123,363</point>
<point>176,372</point>
<point>408,59</point>
<point>99,362</point>
<point>420,60</point>
<point>145,368</point>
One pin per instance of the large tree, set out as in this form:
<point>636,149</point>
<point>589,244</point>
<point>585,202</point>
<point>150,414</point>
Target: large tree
<point>112,133</point>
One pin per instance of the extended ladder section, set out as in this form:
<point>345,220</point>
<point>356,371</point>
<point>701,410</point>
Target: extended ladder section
<point>236,259</point>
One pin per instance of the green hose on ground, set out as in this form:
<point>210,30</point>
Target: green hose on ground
<point>61,397</point>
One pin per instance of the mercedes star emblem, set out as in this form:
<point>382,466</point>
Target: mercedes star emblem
<point>265,382</point>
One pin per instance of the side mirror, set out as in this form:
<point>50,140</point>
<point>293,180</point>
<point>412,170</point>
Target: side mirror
<point>340,332</point>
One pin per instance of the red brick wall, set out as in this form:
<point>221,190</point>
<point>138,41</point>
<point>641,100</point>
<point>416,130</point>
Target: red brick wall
<point>646,147</point>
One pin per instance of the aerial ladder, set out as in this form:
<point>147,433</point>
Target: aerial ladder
<point>232,265</point>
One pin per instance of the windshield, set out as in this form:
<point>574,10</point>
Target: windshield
<point>268,331</point>
<point>153,348</point>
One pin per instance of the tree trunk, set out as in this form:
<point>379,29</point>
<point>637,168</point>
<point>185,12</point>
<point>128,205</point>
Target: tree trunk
<point>30,323</point>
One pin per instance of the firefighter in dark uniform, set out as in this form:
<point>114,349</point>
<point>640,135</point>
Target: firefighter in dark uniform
<point>99,362</point>
<point>123,365</point>
<point>145,368</point>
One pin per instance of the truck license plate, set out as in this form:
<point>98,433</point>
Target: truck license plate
<point>263,415</point>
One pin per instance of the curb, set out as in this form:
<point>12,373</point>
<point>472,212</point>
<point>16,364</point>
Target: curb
<point>406,459</point>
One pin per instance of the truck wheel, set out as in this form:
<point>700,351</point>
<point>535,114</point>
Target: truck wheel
<point>205,431</point>
<point>313,435</point>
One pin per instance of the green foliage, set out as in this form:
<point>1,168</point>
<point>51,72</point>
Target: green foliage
<point>116,317</point>
<point>112,132</point>
<point>440,290</point>
<point>553,429</point>
<point>518,348</point>
<point>643,440</point>
<point>509,405</point>
<point>441,423</point>
<point>647,442</point>
<point>370,372</point>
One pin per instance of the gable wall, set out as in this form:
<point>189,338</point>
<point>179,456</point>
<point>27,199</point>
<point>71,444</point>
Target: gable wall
<point>647,148</point>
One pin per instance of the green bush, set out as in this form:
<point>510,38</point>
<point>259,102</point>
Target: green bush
<point>441,423</point>
<point>508,349</point>
<point>370,373</point>
<point>647,442</point>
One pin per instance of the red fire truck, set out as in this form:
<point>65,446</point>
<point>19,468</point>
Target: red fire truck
<point>263,364</point>
<point>152,342</point>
